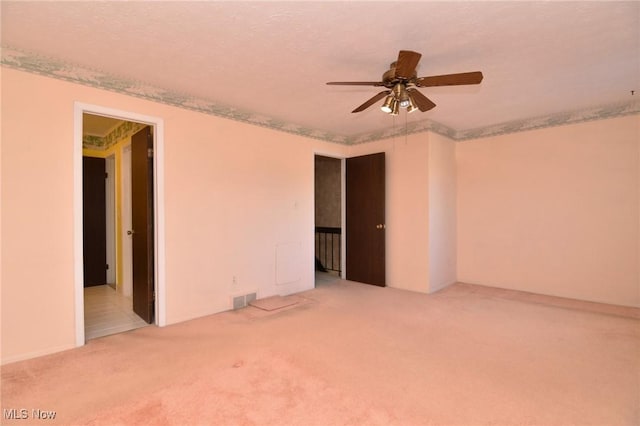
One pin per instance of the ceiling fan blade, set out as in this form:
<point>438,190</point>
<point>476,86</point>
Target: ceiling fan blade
<point>372,101</point>
<point>474,77</point>
<point>355,83</point>
<point>406,64</point>
<point>422,102</point>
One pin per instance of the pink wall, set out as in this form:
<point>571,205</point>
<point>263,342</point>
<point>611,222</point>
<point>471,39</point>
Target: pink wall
<point>442,212</point>
<point>407,216</point>
<point>420,211</point>
<point>233,194</point>
<point>553,211</point>
<point>37,217</point>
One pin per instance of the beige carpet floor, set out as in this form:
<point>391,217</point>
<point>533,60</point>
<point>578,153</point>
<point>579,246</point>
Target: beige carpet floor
<point>353,354</point>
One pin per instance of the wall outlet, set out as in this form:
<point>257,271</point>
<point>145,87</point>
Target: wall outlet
<point>234,281</point>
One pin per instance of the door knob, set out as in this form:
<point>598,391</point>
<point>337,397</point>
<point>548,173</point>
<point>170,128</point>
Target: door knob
<point>130,232</point>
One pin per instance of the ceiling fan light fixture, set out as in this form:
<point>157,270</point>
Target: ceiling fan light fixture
<point>412,105</point>
<point>388,104</point>
<point>396,107</point>
<point>400,92</point>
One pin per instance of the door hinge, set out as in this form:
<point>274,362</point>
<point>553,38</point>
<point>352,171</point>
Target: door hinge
<point>106,175</point>
<point>107,267</point>
<point>150,152</point>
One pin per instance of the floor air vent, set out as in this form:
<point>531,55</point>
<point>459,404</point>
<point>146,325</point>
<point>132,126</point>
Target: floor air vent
<point>240,302</point>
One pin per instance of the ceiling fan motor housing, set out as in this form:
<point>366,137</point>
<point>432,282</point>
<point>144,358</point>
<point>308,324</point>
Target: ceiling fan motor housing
<point>389,77</point>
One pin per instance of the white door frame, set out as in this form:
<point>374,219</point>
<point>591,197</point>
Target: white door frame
<point>79,109</point>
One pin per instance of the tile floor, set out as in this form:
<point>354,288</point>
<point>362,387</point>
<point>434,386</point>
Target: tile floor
<point>323,278</point>
<point>108,312</point>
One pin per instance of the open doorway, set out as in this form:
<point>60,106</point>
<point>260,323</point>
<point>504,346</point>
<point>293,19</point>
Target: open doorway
<point>123,302</point>
<point>350,223</point>
<point>109,204</point>
<point>329,241</point>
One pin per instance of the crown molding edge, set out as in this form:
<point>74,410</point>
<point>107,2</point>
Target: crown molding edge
<point>48,67</point>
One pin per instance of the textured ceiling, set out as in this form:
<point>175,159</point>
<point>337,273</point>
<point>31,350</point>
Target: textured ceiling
<point>274,58</point>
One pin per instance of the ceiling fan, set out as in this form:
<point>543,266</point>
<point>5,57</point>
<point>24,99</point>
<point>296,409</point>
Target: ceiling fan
<point>401,83</point>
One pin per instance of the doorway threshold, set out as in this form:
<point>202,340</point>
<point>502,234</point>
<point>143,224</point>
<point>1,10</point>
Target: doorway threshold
<point>108,312</point>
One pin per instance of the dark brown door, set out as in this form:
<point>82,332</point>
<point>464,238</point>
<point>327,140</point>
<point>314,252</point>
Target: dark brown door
<point>142,223</point>
<point>94,221</point>
<point>365,219</point>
